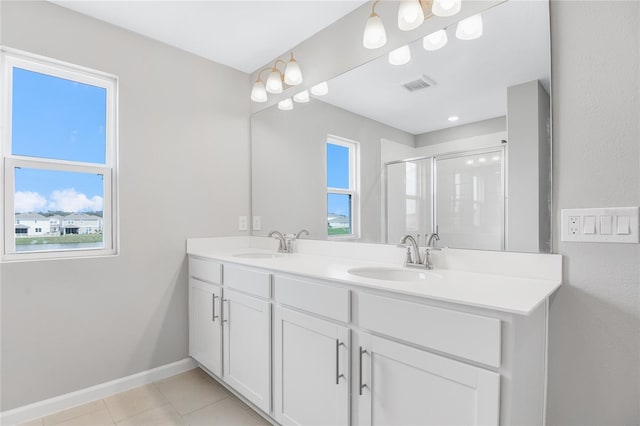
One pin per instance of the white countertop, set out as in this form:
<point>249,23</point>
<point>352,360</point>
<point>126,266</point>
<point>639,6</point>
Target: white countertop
<point>511,294</point>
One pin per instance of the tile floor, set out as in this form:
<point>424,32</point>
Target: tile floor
<point>191,398</point>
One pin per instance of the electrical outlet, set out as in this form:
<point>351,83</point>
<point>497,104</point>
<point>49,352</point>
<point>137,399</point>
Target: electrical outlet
<point>574,225</point>
<point>242,223</point>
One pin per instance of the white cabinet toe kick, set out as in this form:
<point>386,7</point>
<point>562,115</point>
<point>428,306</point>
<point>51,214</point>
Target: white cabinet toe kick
<point>303,350</point>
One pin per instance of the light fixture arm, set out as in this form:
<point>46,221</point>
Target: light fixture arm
<point>373,7</point>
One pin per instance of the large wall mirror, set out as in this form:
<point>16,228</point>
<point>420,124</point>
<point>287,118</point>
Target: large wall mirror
<point>456,140</point>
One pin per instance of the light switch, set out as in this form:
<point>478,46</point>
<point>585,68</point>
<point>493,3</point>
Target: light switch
<point>605,225</point>
<point>623,225</point>
<point>589,225</point>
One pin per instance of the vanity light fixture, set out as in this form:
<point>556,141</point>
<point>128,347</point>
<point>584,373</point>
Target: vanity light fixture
<point>470,28</point>
<point>292,76</point>
<point>302,97</point>
<point>259,91</point>
<point>453,118</point>
<point>285,104</point>
<point>446,7</point>
<point>435,41</point>
<point>400,56</point>
<point>410,15</point>
<point>320,89</point>
<point>375,35</point>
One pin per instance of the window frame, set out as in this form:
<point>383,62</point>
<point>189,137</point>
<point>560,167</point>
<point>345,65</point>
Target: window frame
<point>354,185</point>
<point>12,58</point>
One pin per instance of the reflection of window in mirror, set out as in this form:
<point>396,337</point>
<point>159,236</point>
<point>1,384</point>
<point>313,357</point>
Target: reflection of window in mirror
<point>342,188</point>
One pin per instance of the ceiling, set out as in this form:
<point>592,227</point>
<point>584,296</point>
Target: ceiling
<point>471,76</point>
<point>244,35</point>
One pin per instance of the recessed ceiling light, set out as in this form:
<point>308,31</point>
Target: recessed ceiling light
<point>482,160</point>
<point>469,161</point>
<point>453,118</point>
<point>495,157</point>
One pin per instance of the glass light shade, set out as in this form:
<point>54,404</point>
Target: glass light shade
<point>285,104</point>
<point>469,28</point>
<point>292,73</point>
<point>446,7</point>
<point>320,89</point>
<point>259,92</point>
<point>400,56</point>
<point>302,97</point>
<point>410,15</point>
<point>374,34</point>
<point>274,82</point>
<point>435,41</point>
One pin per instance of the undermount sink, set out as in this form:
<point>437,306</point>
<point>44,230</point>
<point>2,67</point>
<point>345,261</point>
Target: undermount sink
<point>257,255</point>
<point>393,274</point>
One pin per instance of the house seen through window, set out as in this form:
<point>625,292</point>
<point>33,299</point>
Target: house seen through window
<point>59,154</point>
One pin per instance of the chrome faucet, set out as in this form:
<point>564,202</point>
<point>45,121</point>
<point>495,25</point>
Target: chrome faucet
<point>283,247</point>
<point>432,242</point>
<point>413,244</point>
<point>302,232</point>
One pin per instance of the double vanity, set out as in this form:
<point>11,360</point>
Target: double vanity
<point>340,334</point>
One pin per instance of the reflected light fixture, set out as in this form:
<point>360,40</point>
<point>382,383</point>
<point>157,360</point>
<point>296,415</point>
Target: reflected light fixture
<point>276,79</point>
<point>285,104</point>
<point>435,41</point>
<point>375,35</point>
<point>400,56</point>
<point>446,7</point>
<point>453,118</point>
<point>470,28</point>
<point>320,89</point>
<point>302,97</point>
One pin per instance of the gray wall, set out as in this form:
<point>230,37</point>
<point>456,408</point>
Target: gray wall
<point>528,187</point>
<point>288,153</point>
<point>594,358</point>
<point>184,172</point>
<point>484,127</point>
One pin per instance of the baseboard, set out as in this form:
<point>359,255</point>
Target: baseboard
<point>63,402</point>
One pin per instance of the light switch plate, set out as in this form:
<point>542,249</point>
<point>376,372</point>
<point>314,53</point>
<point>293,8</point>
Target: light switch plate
<point>577,224</point>
<point>256,223</point>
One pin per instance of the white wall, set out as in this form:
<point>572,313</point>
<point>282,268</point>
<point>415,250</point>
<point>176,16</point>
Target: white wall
<point>594,358</point>
<point>289,166</point>
<point>184,172</point>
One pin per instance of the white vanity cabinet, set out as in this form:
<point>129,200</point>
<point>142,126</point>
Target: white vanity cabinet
<point>402,385</point>
<point>311,371</point>
<point>205,314</point>
<point>308,351</point>
<point>205,330</point>
<point>247,334</point>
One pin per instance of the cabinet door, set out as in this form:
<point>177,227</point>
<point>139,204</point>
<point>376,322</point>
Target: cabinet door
<point>401,385</point>
<point>247,347</point>
<point>205,329</point>
<point>311,370</point>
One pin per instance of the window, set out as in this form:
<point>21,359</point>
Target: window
<point>58,158</point>
<point>342,188</point>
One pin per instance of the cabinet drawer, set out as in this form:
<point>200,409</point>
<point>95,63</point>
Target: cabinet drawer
<point>466,335</point>
<point>205,270</point>
<point>248,280</point>
<point>314,297</point>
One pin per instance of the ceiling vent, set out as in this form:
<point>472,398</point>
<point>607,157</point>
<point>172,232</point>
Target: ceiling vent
<point>422,83</point>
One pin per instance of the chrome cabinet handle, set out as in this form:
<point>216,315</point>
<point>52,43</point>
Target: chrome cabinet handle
<point>213,308</point>
<point>360,385</point>
<point>338,375</point>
